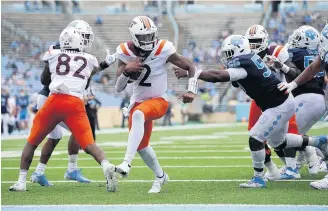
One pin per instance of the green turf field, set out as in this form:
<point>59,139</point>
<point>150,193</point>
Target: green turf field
<point>205,166</point>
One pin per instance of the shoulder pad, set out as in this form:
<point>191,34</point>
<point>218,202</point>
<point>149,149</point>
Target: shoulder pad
<point>50,53</point>
<point>123,53</point>
<point>281,53</point>
<point>165,47</point>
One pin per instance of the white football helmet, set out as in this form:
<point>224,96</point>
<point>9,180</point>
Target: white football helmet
<point>323,47</point>
<point>304,37</point>
<point>143,32</point>
<point>70,38</point>
<point>234,45</point>
<point>258,38</point>
<point>85,30</point>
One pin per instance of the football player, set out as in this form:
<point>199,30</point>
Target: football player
<point>303,48</point>
<point>259,83</point>
<point>258,41</point>
<point>308,74</point>
<point>142,62</point>
<point>73,172</point>
<point>70,68</point>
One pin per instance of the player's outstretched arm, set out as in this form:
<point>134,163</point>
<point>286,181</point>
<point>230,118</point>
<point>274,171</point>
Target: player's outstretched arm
<point>109,60</point>
<point>46,75</point>
<point>215,76</point>
<point>305,76</point>
<point>183,63</point>
<point>309,72</point>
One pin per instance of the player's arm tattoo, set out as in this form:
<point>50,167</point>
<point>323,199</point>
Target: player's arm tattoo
<point>46,75</point>
<point>309,72</point>
<point>215,76</point>
<point>293,71</point>
<point>183,63</point>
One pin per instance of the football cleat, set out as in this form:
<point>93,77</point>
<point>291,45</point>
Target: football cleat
<point>323,167</point>
<point>272,176</point>
<point>314,169</point>
<point>76,175</point>
<point>41,179</point>
<point>282,170</point>
<point>18,186</point>
<point>158,183</point>
<point>111,180</point>
<point>255,182</point>
<point>290,174</point>
<point>320,184</point>
<point>123,169</point>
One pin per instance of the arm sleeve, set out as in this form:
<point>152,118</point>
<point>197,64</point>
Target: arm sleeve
<point>237,73</point>
<point>121,83</point>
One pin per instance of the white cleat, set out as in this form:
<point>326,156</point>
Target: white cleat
<point>314,169</point>
<point>18,186</point>
<point>111,179</point>
<point>123,169</point>
<point>323,167</point>
<point>272,176</point>
<point>320,184</point>
<point>158,183</point>
<point>283,170</point>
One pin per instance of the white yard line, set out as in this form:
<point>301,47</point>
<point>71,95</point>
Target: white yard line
<point>141,167</point>
<point>160,158</point>
<point>146,181</point>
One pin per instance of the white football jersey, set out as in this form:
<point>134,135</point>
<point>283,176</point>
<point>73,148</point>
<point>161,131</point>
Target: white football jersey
<point>152,82</point>
<point>70,71</point>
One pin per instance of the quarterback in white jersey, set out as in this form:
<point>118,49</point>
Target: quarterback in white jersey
<point>70,70</point>
<point>142,63</point>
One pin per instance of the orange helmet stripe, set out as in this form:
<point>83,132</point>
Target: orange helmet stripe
<point>145,21</point>
<point>159,49</point>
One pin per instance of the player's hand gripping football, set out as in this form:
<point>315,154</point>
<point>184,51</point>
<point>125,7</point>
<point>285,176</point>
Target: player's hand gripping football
<point>180,73</point>
<point>134,66</point>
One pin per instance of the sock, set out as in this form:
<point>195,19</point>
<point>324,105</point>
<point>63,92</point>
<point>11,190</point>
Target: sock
<point>290,157</point>
<point>72,162</point>
<point>22,175</point>
<point>135,136</point>
<point>281,155</point>
<point>148,155</point>
<point>314,141</point>
<point>105,164</point>
<point>311,156</point>
<point>258,158</point>
<point>40,168</point>
<point>271,167</point>
<point>294,140</point>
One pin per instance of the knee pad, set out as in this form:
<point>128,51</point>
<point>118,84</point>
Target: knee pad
<point>280,153</point>
<point>255,145</point>
<point>138,116</point>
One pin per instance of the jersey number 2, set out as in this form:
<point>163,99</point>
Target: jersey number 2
<point>65,63</point>
<point>261,65</point>
<point>142,82</point>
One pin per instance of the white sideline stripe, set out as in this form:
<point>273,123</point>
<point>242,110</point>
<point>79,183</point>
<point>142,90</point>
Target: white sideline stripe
<point>160,158</point>
<point>165,205</point>
<point>139,167</point>
<point>176,151</point>
<point>145,181</point>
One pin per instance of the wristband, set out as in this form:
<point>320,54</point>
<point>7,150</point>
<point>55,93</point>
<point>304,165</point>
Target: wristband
<point>193,85</point>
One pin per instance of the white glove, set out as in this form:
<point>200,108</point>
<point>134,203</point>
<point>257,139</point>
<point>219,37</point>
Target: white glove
<point>110,59</point>
<point>274,62</point>
<point>288,86</point>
